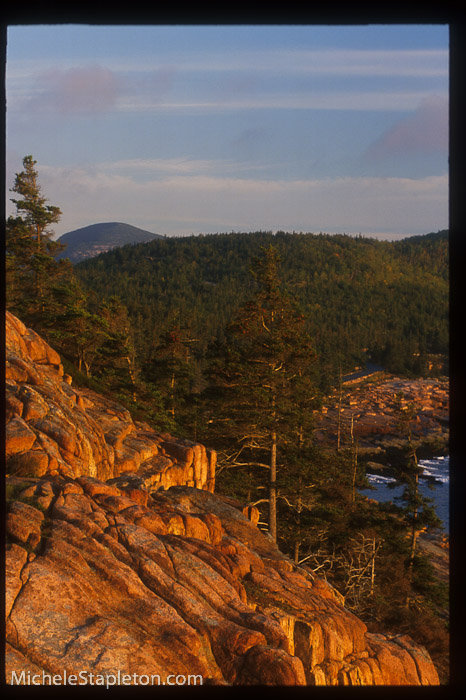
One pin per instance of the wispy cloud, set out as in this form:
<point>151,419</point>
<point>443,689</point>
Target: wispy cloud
<point>162,168</point>
<point>413,63</point>
<point>372,100</point>
<point>90,89</point>
<point>145,86</point>
<point>328,61</point>
<point>423,131</point>
<point>354,62</point>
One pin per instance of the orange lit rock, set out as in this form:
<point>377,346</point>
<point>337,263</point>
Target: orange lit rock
<point>76,432</point>
<point>139,573</point>
<point>148,586</point>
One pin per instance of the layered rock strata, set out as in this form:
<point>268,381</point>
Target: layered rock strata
<point>57,429</point>
<point>104,579</point>
<point>107,573</point>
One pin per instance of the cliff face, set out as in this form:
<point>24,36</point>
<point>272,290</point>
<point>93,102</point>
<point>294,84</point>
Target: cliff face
<point>121,559</point>
<point>55,429</point>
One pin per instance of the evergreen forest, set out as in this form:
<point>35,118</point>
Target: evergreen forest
<point>361,298</point>
<point>234,340</point>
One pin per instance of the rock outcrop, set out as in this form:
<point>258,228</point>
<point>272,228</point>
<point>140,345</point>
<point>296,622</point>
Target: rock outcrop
<point>54,428</point>
<point>121,560</point>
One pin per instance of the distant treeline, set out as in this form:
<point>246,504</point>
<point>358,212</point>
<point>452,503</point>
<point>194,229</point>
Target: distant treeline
<point>361,297</point>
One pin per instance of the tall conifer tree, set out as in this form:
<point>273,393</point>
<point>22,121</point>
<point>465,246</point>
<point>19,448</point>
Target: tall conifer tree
<point>32,272</point>
<point>418,510</point>
<point>264,383</point>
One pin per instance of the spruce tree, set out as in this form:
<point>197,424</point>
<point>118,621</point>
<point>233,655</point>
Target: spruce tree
<point>78,330</point>
<point>116,355</point>
<point>32,273</point>
<point>172,369</point>
<point>418,510</point>
<point>263,385</point>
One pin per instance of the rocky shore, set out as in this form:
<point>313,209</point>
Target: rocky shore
<point>367,412</point>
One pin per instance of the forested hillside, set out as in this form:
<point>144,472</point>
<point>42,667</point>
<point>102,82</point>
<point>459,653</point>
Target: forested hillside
<point>360,297</point>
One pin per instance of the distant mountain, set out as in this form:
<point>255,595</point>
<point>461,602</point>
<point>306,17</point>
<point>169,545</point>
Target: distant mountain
<point>92,240</point>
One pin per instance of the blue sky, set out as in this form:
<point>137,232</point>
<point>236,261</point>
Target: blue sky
<point>201,129</point>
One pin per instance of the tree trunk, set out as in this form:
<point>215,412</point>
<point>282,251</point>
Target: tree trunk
<point>273,488</point>
<point>131,376</point>
<point>172,395</point>
<point>296,552</point>
<point>371,592</point>
<point>414,535</point>
<point>339,413</point>
<point>297,541</point>
<point>355,471</point>
<point>414,532</point>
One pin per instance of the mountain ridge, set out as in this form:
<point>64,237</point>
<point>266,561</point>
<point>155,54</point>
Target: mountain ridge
<point>89,241</point>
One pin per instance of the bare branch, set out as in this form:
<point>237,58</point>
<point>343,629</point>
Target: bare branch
<point>252,464</point>
<point>263,323</point>
<point>262,500</point>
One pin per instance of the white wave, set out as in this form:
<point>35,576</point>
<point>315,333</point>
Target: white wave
<point>379,479</point>
<point>437,468</point>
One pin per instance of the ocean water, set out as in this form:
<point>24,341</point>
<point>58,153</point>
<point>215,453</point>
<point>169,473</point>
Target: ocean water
<point>433,483</point>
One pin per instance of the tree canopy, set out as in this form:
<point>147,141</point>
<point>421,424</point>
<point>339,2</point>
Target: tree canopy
<point>359,297</point>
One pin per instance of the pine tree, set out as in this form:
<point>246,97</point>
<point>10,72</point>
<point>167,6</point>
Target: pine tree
<point>264,382</point>
<point>116,355</point>
<point>172,368</point>
<point>78,330</point>
<point>32,273</point>
<point>418,510</point>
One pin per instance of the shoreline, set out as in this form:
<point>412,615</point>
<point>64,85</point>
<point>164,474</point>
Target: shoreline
<point>433,483</point>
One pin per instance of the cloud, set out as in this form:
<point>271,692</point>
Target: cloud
<point>367,62</point>
<point>153,83</point>
<point>134,86</point>
<point>156,169</point>
<point>184,203</point>
<point>423,63</point>
<point>85,90</point>
<point>356,100</point>
<point>425,131</point>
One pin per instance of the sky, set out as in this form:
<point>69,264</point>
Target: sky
<point>183,130</point>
